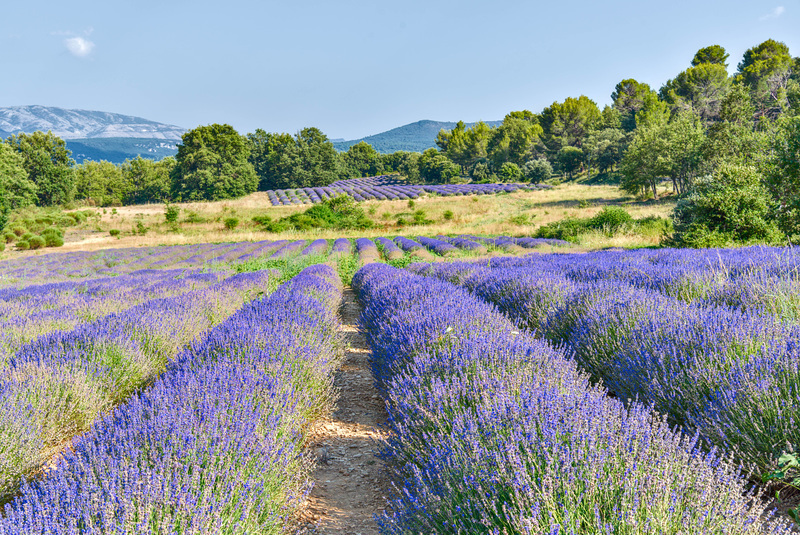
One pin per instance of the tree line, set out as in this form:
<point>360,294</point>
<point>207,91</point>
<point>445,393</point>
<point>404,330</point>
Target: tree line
<point>708,133</point>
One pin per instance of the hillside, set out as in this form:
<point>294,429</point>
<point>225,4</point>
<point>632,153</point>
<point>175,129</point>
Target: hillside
<point>95,135</point>
<point>414,137</point>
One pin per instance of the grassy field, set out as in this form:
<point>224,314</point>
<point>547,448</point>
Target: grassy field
<point>514,214</point>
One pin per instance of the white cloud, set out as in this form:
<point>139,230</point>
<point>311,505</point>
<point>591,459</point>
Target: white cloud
<point>78,46</point>
<point>774,14</point>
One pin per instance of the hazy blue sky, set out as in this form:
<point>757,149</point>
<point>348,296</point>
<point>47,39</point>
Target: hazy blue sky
<point>355,68</point>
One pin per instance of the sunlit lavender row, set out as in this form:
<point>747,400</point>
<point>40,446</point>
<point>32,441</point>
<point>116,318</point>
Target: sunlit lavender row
<point>494,431</point>
<point>71,266</point>
<point>385,188</point>
<point>213,445</point>
<point>55,386</point>
<point>710,338</point>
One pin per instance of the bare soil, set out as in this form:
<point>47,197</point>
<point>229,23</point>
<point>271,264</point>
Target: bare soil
<point>350,482</point>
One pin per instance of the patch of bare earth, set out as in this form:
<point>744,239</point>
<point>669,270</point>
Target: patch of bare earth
<point>350,482</point>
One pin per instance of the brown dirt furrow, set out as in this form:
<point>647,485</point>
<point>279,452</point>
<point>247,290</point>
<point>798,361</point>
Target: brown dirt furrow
<point>350,482</point>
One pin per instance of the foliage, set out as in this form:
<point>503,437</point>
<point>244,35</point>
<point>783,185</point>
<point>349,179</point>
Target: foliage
<point>783,176</point>
<point>361,160</point>
<point>36,242</point>
<point>436,168</point>
<point>629,98</point>
<point>568,123</point>
<point>537,170</point>
<point>171,213</point>
<point>147,181</point>
<point>212,164</point>
<point>731,206</point>
<point>510,172</point>
<point>114,232</point>
<point>284,162</point>
<point>337,213</point>
<point>16,190</point>
<point>100,183</point>
<point>231,223</point>
<point>570,160</point>
<point>766,70</point>
<point>47,161</point>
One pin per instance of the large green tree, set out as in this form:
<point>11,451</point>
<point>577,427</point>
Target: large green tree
<point>783,175</point>
<point>436,168</point>
<point>514,140</point>
<point>362,160</point>
<point>281,161</point>
<point>700,88</point>
<point>568,123</point>
<point>766,70</point>
<point>628,98</point>
<point>147,180</point>
<point>212,164</point>
<point>18,190</point>
<point>101,183</point>
<point>48,163</point>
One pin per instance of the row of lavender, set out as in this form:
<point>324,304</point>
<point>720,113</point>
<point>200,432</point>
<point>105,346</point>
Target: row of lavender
<point>694,333</point>
<point>384,188</point>
<point>55,386</point>
<point>214,445</point>
<point>497,432</point>
<point>64,267</point>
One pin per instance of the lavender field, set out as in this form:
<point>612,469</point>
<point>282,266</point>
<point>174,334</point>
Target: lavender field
<point>174,389</point>
<point>386,188</point>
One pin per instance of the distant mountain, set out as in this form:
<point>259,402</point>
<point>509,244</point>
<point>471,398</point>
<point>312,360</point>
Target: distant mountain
<point>95,135</point>
<point>119,149</point>
<point>79,124</point>
<point>414,137</point>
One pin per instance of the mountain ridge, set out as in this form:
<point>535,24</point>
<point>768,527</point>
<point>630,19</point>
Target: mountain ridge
<point>412,137</point>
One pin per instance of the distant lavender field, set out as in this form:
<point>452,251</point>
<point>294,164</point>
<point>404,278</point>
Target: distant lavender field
<point>386,188</point>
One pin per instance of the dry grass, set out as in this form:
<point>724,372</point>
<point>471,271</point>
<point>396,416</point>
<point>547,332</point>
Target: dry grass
<point>515,214</point>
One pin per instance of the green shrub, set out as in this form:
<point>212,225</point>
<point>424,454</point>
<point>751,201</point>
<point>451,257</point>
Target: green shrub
<point>411,203</point>
<point>611,218</point>
<point>447,215</point>
<point>730,207</point>
<point>401,222</point>
<point>340,213</point>
<point>194,217</point>
<point>2,247</point>
<point>27,236</point>
<point>510,172</point>
<point>140,229</point>
<point>114,232</point>
<point>53,237</point>
<point>171,213</point>
<point>9,236</point>
<point>538,170</point>
<point>521,219</point>
<point>420,218</point>
<point>23,245</point>
<point>36,242</point>
<point>19,231</point>
<point>566,229</point>
<point>231,223</point>
<point>262,220</point>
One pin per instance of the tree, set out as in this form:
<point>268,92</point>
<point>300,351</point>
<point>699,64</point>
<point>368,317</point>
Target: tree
<point>212,164</point>
<point>732,206</point>
<point>629,97</point>
<point>318,162</point>
<point>605,148</point>
<point>734,138</point>
<point>510,172</point>
<point>48,163</point>
<point>147,180</point>
<point>783,176</point>
<point>766,70</point>
<point>407,164</point>
<point>538,170</point>
<point>363,160</point>
<point>513,141</point>
<point>436,168</point>
<point>18,190</point>
<point>281,161</point>
<point>102,183</point>
<point>700,88</point>
<point>713,54</point>
<point>568,123</point>
<point>273,157</point>
<point>570,159</point>
<point>646,160</point>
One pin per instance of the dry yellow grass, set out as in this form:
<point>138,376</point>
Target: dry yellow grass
<point>515,214</point>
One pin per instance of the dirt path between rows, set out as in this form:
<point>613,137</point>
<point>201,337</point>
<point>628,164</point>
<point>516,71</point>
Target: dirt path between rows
<point>350,482</point>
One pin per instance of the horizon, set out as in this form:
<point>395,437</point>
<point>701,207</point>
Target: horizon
<point>358,69</point>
